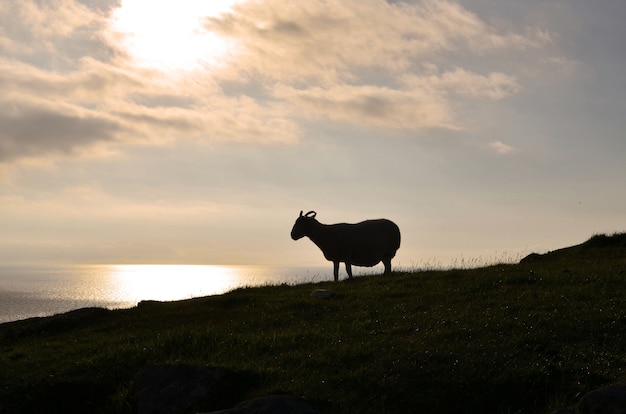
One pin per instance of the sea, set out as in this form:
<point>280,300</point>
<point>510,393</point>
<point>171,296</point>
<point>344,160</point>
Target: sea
<point>28,291</point>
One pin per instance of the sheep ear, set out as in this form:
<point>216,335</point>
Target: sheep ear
<point>310,214</point>
<point>300,213</point>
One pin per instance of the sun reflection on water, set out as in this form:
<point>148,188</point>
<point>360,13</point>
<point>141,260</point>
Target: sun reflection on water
<point>170,282</point>
<point>28,291</point>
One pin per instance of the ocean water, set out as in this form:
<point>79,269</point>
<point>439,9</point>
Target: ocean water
<point>31,291</point>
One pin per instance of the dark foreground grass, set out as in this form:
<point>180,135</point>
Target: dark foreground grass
<point>524,338</point>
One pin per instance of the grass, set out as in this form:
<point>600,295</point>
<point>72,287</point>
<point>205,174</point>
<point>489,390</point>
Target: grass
<point>523,338</point>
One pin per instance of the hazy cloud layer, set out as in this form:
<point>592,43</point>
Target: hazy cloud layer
<point>365,63</point>
<point>373,63</point>
<point>328,41</point>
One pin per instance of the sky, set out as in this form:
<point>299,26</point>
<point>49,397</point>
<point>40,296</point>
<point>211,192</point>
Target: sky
<point>143,131</point>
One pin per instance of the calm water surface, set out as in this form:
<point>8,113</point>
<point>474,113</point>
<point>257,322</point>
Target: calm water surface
<point>29,291</point>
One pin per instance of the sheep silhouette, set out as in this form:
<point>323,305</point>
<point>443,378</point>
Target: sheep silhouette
<point>361,244</point>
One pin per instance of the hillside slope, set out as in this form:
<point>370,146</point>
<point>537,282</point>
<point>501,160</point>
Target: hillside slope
<point>521,338</point>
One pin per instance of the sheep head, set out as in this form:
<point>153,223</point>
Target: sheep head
<point>302,225</point>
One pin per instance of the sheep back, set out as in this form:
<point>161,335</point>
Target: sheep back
<point>363,244</point>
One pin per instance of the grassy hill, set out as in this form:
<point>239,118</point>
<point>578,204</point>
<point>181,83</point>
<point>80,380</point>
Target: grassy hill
<point>525,338</point>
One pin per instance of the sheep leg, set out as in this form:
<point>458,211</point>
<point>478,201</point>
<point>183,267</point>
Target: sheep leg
<point>387,264</point>
<point>349,269</point>
<point>336,270</point>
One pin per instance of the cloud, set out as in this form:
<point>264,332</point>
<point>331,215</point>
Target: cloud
<point>89,84</point>
<point>371,106</point>
<point>461,82</point>
<point>389,65</point>
<point>37,128</point>
<point>44,112</point>
<point>398,66</point>
<point>51,33</point>
<point>65,92</point>
<point>329,40</point>
<point>501,148</point>
<point>421,102</point>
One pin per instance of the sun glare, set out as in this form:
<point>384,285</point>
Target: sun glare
<point>171,282</point>
<point>170,35</point>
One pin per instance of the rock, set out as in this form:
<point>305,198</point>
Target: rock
<point>144,303</point>
<point>323,293</point>
<point>532,258</point>
<point>178,389</point>
<point>607,400</point>
<point>271,404</point>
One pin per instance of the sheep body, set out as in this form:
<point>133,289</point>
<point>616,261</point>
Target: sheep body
<point>361,244</point>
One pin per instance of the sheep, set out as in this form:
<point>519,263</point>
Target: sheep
<point>362,244</point>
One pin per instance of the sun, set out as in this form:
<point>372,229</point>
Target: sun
<point>169,35</point>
